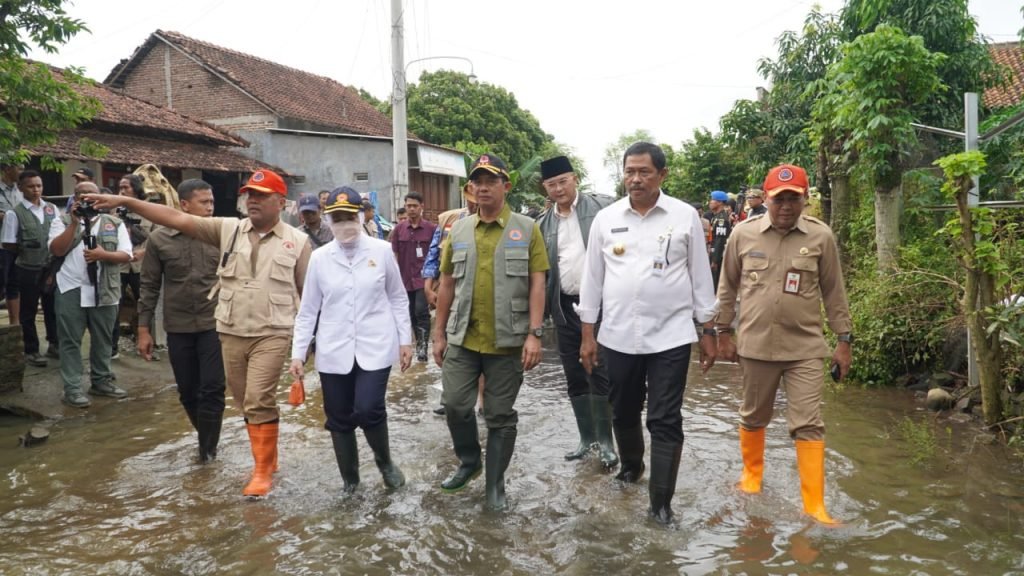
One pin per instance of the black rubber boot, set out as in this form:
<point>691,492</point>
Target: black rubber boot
<point>377,438</point>
<point>581,408</point>
<point>347,453</point>
<point>208,426</point>
<point>631,450</point>
<point>421,344</point>
<point>501,442</point>
<point>601,409</point>
<point>664,471</point>
<point>193,417</point>
<point>466,442</point>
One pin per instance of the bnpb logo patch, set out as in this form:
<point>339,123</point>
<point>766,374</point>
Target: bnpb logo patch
<point>258,177</point>
<point>515,235</point>
<point>785,175</point>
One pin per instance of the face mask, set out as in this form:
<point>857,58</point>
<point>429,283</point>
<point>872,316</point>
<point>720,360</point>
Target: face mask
<point>347,231</point>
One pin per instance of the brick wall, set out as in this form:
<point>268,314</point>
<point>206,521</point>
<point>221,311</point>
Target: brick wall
<point>195,91</point>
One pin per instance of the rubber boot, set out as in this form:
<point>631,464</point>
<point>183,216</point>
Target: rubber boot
<point>602,412</point>
<point>193,417</point>
<point>347,453</point>
<point>263,438</point>
<point>752,450</point>
<point>631,450</point>
<point>810,460</point>
<point>581,408</point>
<point>501,442</point>
<point>665,458</point>
<point>377,438</point>
<point>421,345</point>
<point>208,426</point>
<point>466,442</point>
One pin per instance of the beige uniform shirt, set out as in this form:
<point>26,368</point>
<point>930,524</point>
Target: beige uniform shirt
<point>782,279</point>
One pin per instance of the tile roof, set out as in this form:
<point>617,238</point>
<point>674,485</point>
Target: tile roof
<point>289,92</point>
<point>135,150</point>
<point>1009,55</point>
<point>125,114</point>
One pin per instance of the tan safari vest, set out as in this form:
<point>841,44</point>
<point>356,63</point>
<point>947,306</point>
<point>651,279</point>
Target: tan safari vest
<point>261,301</point>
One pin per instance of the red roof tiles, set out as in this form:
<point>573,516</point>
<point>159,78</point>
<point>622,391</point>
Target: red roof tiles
<point>1009,55</point>
<point>289,92</point>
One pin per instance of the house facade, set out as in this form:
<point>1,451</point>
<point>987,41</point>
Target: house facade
<point>319,131</point>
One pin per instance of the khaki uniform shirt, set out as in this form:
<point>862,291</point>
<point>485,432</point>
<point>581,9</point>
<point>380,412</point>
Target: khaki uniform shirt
<point>781,280</point>
<point>252,298</point>
<point>480,335</point>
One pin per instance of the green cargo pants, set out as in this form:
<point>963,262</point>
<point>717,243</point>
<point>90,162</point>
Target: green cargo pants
<point>72,320</point>
<point>503,376</point>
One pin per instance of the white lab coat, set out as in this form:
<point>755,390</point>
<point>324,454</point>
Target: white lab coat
<point>363,307</point>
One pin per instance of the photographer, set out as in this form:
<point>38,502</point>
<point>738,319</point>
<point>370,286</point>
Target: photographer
<point>138,232</point>
<point>93,246</point>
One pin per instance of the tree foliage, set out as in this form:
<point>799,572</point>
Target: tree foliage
<point>447,108</point>
<point>612,159</point>
<point>702,164</point>
<point>37,102</point>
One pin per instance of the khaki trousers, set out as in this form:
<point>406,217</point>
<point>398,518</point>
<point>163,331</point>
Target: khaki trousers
<point>802,380</point>
<point>253,366</point>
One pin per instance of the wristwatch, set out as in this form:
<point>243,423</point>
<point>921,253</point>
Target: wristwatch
<point>848,338</point>
<point>538,331</point>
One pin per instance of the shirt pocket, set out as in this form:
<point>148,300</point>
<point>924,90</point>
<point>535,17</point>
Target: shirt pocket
<point>459,263</point>
<point>282,313</point>
<point>225,301</point>
<point>755,272</point>
<point>807,266</point>
<point>520,315</point>
<point>282,267</point>
<point>517,262</point>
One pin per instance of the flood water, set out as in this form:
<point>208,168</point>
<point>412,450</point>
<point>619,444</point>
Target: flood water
<point>122,494</point>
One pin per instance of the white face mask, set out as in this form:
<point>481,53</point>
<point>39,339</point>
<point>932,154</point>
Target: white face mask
<point>347,231</point>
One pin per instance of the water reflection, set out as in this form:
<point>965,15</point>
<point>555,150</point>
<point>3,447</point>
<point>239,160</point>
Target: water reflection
<point>122,495</point>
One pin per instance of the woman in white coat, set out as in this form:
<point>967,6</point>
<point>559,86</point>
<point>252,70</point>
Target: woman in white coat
<point>354,285</point>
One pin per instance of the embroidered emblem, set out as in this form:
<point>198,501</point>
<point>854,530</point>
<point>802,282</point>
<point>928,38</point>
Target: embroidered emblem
<point>515,234</point>
<point>485,159</point>
<point>753,276</point>
<point>785,175</point>
<point>257,177</point>
<point>619,249</point>
<point>108,227</point>
<point>49,210</point>
<point>371,263</point>
<point>804,251</point>
<point>288,245</point>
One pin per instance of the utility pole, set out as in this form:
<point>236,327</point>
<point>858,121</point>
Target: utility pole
<point>399,129</point>
<point>971,144</point>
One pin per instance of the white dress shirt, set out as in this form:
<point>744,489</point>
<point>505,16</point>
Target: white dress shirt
<point>9,233</point>
<point>571,250</point>
<point>651,291</point>
<point>10,196</point>
<point>363,307</point>
<point>73,272</point>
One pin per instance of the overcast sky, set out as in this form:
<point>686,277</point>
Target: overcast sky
<point>588,71</point>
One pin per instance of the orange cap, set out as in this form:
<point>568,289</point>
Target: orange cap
<point>785,177</point>
<point>265,181</point>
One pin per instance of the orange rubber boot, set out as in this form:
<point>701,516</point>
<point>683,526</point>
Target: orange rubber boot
<point>752,449</point>
<point>263,438</point>
<point>810,460</point>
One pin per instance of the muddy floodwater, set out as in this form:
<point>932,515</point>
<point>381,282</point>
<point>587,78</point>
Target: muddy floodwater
<point>119,492</point>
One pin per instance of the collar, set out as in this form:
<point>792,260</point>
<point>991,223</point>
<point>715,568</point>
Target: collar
<point>503,217</point>
<point>661,202</point>
<point>278,229</point>
<point>765,224</point>
<point>572,208</point>
<point>29,205</point>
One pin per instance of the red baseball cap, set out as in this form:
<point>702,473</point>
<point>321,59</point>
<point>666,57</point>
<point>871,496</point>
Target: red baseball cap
<point>265,181</point>
<point>785,177</point>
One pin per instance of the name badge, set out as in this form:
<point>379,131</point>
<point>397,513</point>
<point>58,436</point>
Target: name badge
<point>419,252</point>
<point>792,284</point>
<point>658,268</point>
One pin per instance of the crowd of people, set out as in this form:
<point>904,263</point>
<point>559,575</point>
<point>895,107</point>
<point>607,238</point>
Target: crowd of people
<point>630,285</point>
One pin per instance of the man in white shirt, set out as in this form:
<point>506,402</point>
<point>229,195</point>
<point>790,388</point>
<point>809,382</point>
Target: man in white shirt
<point>83,302</point>
<point>10,196</point>
<point>647,273</point>
<point>566,229</point>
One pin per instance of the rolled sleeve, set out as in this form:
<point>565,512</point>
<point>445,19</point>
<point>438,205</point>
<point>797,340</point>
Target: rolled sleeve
<point>9,234</point>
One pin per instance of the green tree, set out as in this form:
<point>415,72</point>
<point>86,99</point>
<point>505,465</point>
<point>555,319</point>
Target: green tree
<point>446,108</point>
<point>881,80</point>
<point>612,159</point>
<point>37,101</point>
<point>702,164</point>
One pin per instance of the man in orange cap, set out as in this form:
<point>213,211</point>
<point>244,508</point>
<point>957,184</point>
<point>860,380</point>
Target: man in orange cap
<point>785,265</point>
<point>261,273</point>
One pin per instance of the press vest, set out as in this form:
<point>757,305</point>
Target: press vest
<point>109,274</point>
<point>261,301</point>
<point>511,280</point>
<point>33,235</point>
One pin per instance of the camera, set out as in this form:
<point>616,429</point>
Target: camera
<point>86,209</point>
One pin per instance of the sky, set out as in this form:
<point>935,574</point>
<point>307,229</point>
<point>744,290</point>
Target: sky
<point>588,71</point>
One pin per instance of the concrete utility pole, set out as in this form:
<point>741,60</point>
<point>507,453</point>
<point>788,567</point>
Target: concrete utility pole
<point>399,134</point>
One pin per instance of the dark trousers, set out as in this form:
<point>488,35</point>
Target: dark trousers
<point>661,377</point>
<point>355,399</point>
<point>128,279</point>
<point>568,336</point>
<point>29,285</point>
<point>418,311</point>
<point>198,370</point>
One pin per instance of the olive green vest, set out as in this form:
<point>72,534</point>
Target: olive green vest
<point>109,274</point>
<point>33,252</point>
<point>511,280</point>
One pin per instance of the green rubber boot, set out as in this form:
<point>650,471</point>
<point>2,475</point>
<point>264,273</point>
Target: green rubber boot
<point>347,452</point>
<point>501,442</point>
<point>602,411</point>
<point>466,442</point>
<point>377,438</point>
<point>581,408</point>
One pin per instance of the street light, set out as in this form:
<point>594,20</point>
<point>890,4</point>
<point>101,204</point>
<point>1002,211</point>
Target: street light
<point>399,120</point>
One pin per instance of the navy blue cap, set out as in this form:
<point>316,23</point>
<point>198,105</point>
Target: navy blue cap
<point>309,203</point>
<point>343,199</point>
